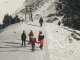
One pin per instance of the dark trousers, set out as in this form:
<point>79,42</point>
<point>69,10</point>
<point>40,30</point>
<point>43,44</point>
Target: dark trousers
<point>41,46</point>
<point>41,24</point>
<point>33,47</point>
<point>23,43</point>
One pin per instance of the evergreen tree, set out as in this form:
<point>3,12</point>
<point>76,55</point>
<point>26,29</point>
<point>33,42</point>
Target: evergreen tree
<point>12,20</point>
<point>16,19</point>
<point>71,12</point>
<point>0,26</point>
<point>5,20</point>
<point>8,20</point>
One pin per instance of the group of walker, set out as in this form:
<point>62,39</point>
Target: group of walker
<point>33,40</point>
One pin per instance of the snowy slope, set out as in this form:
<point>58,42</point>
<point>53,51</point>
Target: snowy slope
<point>57,44</point>
<point>12,43</point>
<point>13,7</point>
<point>9,6</point>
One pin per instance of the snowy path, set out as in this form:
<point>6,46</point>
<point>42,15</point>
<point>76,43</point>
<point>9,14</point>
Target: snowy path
<point>56,46</point>
<point>10,45</point>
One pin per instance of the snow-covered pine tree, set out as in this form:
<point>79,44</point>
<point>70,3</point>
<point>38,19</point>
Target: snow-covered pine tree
<point>71,12</point>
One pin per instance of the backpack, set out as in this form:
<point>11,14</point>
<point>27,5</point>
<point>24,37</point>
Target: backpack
<point>32,41</point>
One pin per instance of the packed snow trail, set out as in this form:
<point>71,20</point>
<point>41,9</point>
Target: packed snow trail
<point>10,43</point>
<point>56,46</point>
<point>59,46</point>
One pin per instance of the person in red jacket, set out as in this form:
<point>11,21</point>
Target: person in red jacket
<point>41,21</point>
<point>33,44</point>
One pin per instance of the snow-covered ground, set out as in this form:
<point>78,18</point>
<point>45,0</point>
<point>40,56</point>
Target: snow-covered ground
<point>57,44</point>
<point>10,43</point>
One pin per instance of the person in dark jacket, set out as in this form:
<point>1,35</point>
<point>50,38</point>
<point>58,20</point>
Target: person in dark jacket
<point>23,38</point>
<point>59,23</point>
<point>41,40</point>
<point>41,21</point>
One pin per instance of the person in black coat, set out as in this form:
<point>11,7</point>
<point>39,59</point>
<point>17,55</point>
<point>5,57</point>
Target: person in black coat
<point>59,23</point>
<point>23,38</point>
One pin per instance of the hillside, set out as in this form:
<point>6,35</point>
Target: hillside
<point>59,41</point>
<point>18,8</point>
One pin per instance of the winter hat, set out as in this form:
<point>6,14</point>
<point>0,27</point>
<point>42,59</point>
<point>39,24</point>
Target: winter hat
<point>23,31</point>
<point>40,32</point>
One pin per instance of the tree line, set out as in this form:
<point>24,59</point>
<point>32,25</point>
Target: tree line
<point>70,9</point>
<point>8,20</point>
